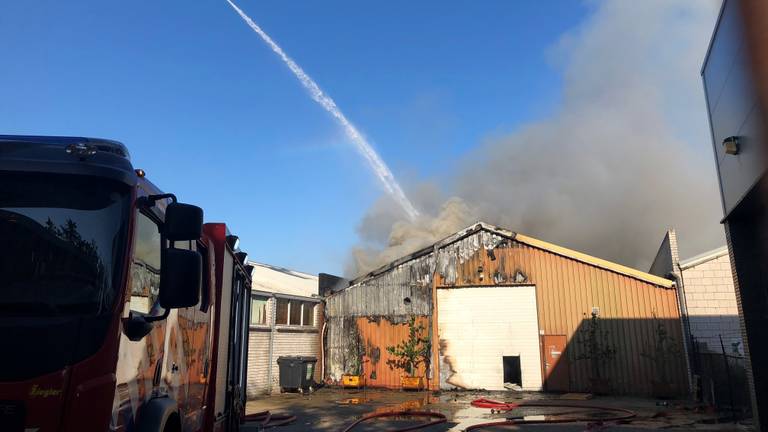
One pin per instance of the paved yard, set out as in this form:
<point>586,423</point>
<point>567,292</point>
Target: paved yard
<point>331,409</point>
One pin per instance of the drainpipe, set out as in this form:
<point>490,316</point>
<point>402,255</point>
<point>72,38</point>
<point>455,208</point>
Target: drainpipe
<point>322,350</point>
<point>270,361</point>
<point>686,327</point>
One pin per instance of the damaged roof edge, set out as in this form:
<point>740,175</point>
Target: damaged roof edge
<point>530,241</point>
<point>479,226</point>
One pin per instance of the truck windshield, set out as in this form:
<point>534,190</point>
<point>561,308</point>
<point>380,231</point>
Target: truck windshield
<point>63,239</point>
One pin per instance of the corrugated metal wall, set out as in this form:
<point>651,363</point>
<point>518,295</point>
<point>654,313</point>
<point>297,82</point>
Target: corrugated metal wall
<point>368,338</point>
<point>567,290</point>
<point>386,294</point>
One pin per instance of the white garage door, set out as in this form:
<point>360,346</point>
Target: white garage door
<point>481,327</point>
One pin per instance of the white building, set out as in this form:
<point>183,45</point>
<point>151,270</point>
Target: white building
<point>707,296</point>
<point>710,300</point>
<point>286,316</point>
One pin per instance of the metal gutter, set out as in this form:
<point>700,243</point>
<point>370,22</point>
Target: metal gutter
<point>285,296</point>
<point>704,257</point>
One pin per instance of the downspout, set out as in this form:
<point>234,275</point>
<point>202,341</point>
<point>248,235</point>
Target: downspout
<point>433,374</point>
<point>272,321</point>
<point>686,327</point>
<point>322,350</point>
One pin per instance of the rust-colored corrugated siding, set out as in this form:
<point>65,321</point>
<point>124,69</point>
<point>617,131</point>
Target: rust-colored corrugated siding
<point>377,335</point>
<point>568,285</point>
<point>567,290</point>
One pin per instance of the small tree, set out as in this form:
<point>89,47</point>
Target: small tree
<point>663,349</point>
<point>595,346</point>
<point>352,360</point>
<point>412,352</point>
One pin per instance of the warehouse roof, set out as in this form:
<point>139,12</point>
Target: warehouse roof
<point>704,257</point>
<point>530,241</point>
<point>274,279</point>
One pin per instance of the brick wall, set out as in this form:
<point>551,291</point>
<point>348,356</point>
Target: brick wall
<point>287,341</point>
<point>258,355</point>
<point>290,343</point>
<point>711,302</point>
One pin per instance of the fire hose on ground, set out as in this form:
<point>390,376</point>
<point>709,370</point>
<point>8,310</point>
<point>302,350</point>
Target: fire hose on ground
<point>268,420</point>
<point>622,414</point>
<point>497,406</point>
<point>438,418</point>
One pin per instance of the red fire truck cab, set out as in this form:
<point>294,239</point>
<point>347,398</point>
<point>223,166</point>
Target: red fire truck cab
<point>119,309</point>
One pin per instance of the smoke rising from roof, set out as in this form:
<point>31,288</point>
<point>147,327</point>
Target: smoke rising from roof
<point>626,156</point>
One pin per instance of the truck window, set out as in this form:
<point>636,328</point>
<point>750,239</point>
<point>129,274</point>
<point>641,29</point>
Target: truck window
<point>145,267</point>
<point>63,238</point>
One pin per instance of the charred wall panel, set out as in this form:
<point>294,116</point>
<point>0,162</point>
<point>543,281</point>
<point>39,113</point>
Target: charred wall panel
<point>398,293</point>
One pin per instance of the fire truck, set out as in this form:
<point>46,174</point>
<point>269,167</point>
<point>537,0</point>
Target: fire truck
<point>120,309</point>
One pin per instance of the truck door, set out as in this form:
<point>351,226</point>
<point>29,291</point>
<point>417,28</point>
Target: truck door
<point>191,344</point>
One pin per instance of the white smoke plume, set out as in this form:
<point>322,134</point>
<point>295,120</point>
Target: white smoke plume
<point>380,169</point>
<point>626,156</point>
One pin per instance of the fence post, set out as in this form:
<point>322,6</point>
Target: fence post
<point>728,377</point>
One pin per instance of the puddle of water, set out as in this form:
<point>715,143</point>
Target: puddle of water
<point>352,401</point>
<point>409,405</point>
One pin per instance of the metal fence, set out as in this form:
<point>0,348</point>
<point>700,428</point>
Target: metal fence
<point>721,378</point>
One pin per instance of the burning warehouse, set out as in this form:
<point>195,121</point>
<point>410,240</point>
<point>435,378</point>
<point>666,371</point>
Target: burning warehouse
<point>494,309</point>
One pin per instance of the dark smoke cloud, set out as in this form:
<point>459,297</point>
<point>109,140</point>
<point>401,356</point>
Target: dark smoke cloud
<point>626,156</point>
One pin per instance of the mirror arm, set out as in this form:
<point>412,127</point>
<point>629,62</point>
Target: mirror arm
<point>149,200</point>
<point>150,319</point>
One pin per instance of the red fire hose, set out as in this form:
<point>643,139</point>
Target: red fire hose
<point>438,418</point>
<point>494,405</point>
<point>268,420</point>
<point>625,414</point>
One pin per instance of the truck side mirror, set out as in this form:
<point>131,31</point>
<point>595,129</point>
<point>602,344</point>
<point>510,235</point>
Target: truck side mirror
<point>180,278</point>
<point>183,222</point>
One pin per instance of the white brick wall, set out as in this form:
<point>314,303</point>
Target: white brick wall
<point>287,342</point>
<point>711,303</point>
<point>478,326</point>
<point>294,344</point>
<point>258,353</point>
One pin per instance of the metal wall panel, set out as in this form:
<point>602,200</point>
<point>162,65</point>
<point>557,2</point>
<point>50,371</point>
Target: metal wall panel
<point>370,338</point>
<point>732,106</point>
<point>632,310</point>
<point>400,292</point>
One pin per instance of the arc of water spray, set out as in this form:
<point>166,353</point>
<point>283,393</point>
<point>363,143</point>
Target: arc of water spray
<point>366,150</point>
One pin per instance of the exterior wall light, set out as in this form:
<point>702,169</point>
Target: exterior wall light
<point>731,145</point>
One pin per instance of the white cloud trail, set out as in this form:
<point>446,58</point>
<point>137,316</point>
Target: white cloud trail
<point>366,150</point>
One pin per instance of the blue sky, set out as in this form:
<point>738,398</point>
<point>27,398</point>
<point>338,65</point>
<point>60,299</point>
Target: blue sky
<point>212,115</point>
